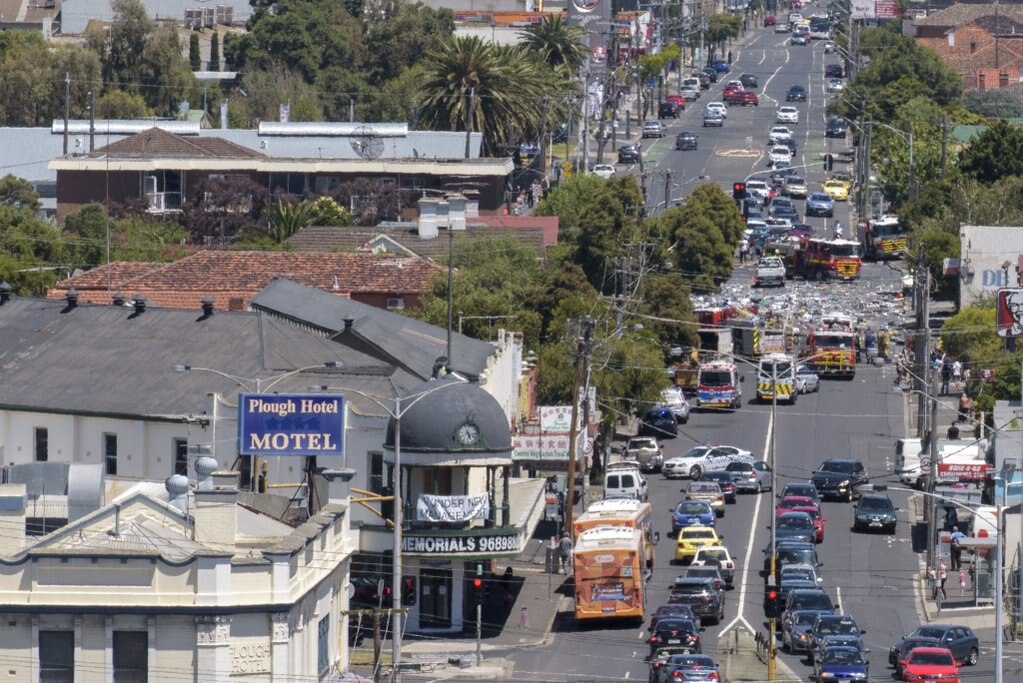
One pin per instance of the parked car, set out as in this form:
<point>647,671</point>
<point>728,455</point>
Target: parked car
<point>658,421</point>
<point>691,93</point>
<point>837,190</point>
<point>604,171</point>
<point>721,66</point>
<point>770,21</point>
<point>711,74</point>
<point>781,27</point>
<point>835,85</point>
<point>836,128</point>
<point>654,129</point>
<point>686,141</point>
<point>646,451</point>
<point>668,110</point>
<point>833,71</point>
<point>629,154</point>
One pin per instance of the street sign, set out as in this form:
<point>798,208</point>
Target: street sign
<point>1009,313</point>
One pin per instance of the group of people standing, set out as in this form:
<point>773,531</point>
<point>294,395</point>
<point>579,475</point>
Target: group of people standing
<point>937,576</point>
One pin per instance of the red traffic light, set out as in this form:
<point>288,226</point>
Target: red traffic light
<point>477,584</point>
<point>772,596</point>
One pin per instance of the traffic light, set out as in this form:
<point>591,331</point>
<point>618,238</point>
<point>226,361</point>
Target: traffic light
<point>477,589</point>
<point>829,162</point>
<point>738,191</point>
<point>772,603</point>
<point>408,590</point>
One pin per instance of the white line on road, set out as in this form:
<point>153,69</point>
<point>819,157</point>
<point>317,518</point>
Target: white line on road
<point>627,675</point>
<point>838,594</point>
<point>763,57</point>
<point>753,528</point>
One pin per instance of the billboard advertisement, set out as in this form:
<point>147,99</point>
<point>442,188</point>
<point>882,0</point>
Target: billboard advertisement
<point>291,424</point>
<point>1009,313</point>
<point>863,9</point>
<point>886,9</point>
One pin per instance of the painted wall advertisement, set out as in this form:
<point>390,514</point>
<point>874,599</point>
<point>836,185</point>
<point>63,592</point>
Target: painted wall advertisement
<point>291,424</point>
<point>430,508</point>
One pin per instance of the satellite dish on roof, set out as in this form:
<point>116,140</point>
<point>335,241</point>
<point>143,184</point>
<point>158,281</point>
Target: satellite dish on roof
<point>366,143</point>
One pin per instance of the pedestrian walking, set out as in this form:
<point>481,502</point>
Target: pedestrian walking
<point>962,582</point>
<point>942,578</point>
<point>965,406</point>
<point>729,56</point>
<point>956,548</point>
<point>957,371</point>
<point>565,547</point>
<point>932,581</point>
<point>946,377</point>
<point>953,433</point>
<point>743,250</point>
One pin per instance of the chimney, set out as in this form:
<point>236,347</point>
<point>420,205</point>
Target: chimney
<point>339,483</point>
<point>72,298</point>
<point>13,499</point>
<point>140,304</point>
<point>472,203</point>
<point>5,292</point>
<point>207,307</point>
<point>118,299</point>
<point>226,479</point>
<point>427,218</point>
<point>215,516</point>
<point>456,211</point>
<point>443,218</point>
<point>348,323</point>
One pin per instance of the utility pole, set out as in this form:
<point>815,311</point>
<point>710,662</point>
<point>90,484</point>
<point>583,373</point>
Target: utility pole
<point>468,119</point>
<point>378,643</point>
<point>67,106</point>
<point>932,477</point>
<point>922,342</point>
<point>582,359</point>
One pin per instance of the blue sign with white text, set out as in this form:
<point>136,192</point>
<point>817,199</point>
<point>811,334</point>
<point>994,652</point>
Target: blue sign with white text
<point>291,424</point>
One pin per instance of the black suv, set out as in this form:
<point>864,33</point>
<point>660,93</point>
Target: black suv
<point>796,93</point>
<point>685,141</point>
<point>749,81</point>
<point>711,74</point>
<point>629,154</point>
<point>675,631</point>
<point>702,595</point>
<point>833,71</point>
<point>668,110</point>
<point>809,598</point>
<point>839,479</point>
<point>874,511</point>
<point>836,128</point>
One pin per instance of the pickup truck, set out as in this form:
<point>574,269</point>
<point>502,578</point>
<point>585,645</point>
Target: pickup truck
<point>770,272</point>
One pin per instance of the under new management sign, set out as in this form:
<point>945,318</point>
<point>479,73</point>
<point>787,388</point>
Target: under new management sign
<point>291,424</point>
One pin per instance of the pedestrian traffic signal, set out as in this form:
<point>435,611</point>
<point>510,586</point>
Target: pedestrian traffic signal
<point>408,590</point>
<point>829,162</point>
<point>738,191</point>
<point>477,589</point>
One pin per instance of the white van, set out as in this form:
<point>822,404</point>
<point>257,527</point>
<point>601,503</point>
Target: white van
<point>624,480</point>
<point>912,464</point>
<point>781,369</point>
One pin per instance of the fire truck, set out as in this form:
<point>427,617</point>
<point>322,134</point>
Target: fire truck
<point>884,238</point>
<point>822,259</point>
<point>832,346</point>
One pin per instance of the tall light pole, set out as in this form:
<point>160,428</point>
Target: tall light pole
<point>396,406</point>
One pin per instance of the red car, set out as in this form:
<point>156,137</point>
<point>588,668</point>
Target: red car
<point>743,97</point>
<point>931,664</point>
<point>818,520</point>
<point>770,21</point>
<point>790,503</point>
<point>677,99</point>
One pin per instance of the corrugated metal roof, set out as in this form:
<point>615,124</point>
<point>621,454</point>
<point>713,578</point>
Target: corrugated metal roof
<point>332,129</point>
<point>124,126</point>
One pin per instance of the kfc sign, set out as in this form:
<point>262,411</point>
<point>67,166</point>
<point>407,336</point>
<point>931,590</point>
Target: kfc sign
<point>1009,317</point>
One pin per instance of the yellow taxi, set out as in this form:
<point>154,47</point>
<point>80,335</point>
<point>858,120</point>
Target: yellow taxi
<point>692,538</point>
<point>837,190</point>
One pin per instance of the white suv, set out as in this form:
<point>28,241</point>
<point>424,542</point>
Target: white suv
<point>717,108</point>
<point>779,133</point>
<point>758,188</point>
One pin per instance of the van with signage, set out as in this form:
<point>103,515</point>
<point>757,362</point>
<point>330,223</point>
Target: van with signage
<point>624,480</point>
<point>718,386</point>
<point>776,378</point>
<point>960,460</point>
<point>610,577</point>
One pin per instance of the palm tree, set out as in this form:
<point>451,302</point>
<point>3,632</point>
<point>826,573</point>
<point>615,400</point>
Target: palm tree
<point>556,43</point>
<point>498,91</point>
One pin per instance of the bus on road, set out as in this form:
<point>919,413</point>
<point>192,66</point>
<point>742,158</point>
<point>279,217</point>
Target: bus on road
<point>610,580</point>
<point>624,512</point>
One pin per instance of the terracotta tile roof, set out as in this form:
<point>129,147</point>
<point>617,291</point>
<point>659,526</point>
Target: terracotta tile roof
<point>114,276</point>
<point>963,13</point>
<point>549,224</point>
<point>233,278</point>
<point>159,143</point>
<point>329,238</point>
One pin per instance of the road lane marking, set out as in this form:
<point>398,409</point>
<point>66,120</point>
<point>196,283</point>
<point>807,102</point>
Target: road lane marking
<point>753,527</point>
<point>838,593</point>
<point>763,57</point>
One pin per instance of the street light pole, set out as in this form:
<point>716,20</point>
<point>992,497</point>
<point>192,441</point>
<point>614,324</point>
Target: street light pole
<point>772,648</point>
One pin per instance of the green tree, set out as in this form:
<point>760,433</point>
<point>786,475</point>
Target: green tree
<point>194,55</point>
<point>268,90</point>
<point>712,202</point>
<point>722,27</point>
<point>922,118</point>
<point>288,217</point>
<point>702,254</point>
<point>498,90</point>
<point>18,193</point>
<point>215,51</point>
<point>120,104</point>
<point>402,39</point>
<point>556,43</point>
<point>609,230</point>
<point>970,336</point>
<point>994,154</point>
<point>668,296</point>
<point>567,202</point>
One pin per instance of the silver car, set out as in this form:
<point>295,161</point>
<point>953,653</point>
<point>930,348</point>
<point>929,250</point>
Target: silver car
<point>755,476</point>
<point>807,380</point>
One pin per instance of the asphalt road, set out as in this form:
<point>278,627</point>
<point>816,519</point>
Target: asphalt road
<point>871,576</point>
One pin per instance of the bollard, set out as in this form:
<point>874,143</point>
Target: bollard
<point>523,618</point>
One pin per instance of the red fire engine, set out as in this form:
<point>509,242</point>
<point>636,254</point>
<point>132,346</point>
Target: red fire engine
<point>821,259</point>
<point>832,346</point>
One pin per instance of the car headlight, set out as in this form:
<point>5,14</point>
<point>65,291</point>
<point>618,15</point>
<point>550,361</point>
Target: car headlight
<point>826,675</point>
<point>844,483</point>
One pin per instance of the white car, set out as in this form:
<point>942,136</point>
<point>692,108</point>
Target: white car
<point>829,48</point>
<point>735,84</point>
<point>717,107</point>
<point>781,27</point>
<point>787,115</point>
<point>777,134</point>
<point>836,85</point>
<point>779,154</point>
<point>604,171</point>
<point>703,458</point>
<point>807,380</point>
<point>758,188</point>
<point>689,94</point>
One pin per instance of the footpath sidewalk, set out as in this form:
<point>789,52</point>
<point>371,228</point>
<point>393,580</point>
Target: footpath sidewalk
<point>745,660</point>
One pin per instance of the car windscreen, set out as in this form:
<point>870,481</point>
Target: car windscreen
<point>697,452</point>
<point>837,466</point>
<point>692,508</point>
<point>690,534</point>
<point>797,557</point>
<point>845,250</point>
<point>805,618</point>
<point>838,627</point>
<point>799,522</point>
<point>812,600</point>
<point>876,505</point>
<point>842,657</point>
<point>835,341</point>
<point>716,378</point>
<point>931,659</point>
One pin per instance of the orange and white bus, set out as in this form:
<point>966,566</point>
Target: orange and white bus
<point>609,573</point>
<point>627,512</point>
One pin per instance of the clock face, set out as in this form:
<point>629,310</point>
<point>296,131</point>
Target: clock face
<point>468,434</point>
